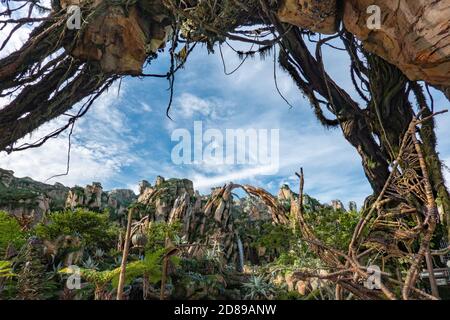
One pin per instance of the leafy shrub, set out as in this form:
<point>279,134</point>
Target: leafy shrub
<point>17,198</point>
<point>94,229</point>
<point>10,232</point>
<point>275,238</point>
<point>159,231</point>
<point>333,227</point>
<point>290,295</point>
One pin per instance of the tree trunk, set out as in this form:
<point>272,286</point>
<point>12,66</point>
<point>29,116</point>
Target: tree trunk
<point>123,265</point>
<point>352,119</point>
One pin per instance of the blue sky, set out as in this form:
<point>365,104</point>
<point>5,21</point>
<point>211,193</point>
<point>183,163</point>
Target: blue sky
<point>126,136</point>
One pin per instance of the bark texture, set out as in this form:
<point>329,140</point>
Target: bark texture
<point>315,15</point>
<point>414,35</point>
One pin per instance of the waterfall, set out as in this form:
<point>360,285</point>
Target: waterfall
<point>241,254</point>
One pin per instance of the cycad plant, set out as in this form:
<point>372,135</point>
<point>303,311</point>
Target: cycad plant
<point>6,270</point>
<point>150,268</point>
<point>6,273</point>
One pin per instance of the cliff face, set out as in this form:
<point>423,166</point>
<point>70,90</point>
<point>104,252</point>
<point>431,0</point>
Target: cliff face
<point>27,199</point>
<point>94,198</point>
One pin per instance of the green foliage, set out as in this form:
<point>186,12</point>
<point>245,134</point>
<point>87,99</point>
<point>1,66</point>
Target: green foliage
<point>211,262</point>
<point>10,233</point>
<point>286,249</point>
<point>151,266</point>
<point>197,285</point>
<point>98,278</point>
<point>290,295</point>
<point>272,237</point>
<point>295,259</point>
<point>94,229</point>
<point>159,231</point>
<point>15,198</point>
<point>333,227</point>
<point>6,269</point>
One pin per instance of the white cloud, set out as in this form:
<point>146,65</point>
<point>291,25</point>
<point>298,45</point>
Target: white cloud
<point>202,182</point>
<point>101,145</point>
<point>188,105</point>
<point>146,107</point>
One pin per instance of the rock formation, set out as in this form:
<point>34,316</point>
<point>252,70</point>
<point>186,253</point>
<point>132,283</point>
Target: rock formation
<point>94,198</point>
<point>172,190</point>
<point>352,206</point>
<point>337,205</point>
<point>29,200</point>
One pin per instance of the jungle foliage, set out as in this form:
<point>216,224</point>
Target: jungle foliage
<point>38,269</point>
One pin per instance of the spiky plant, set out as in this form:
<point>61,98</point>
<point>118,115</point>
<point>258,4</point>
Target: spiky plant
<point>89,263</point>
<point>99,253</point>
<point>258,288</point>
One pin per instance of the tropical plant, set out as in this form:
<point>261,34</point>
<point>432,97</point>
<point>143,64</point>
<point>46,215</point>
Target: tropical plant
<point>10,233</point>
<point>160,231</point>
<point>150,267</point>
<point>94,229</point>
<point>333,227</point>
<point>100,279</point>
<point>258,288</point>
<point>89,263</point>
<point>6,269</point>
<point>6,276</point>
<point>99,253</point>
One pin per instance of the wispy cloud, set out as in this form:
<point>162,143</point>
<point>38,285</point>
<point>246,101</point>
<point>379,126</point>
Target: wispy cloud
<point>101,147</point>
